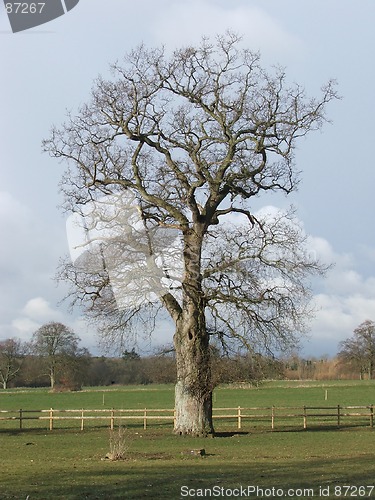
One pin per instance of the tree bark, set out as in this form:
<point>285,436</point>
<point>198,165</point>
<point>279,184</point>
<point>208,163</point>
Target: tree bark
<point>52,377</point>
<point>193,393</point>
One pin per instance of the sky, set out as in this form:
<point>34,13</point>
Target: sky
<point>50,69</point>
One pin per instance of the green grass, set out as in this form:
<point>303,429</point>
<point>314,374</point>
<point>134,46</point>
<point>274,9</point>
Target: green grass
<point>119,397</point>
<point>277,393</point>
<point>299,393</point>
<point>68,464</point>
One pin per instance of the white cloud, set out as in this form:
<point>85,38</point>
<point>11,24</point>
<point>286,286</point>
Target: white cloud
<point>361,307</point>
<point>346,298</point>
<point>323,249</point>
<point>23,327</point>
<point>36,312</point>
<point>333,318</point>
<point>187,22</point>
<point>39,309</point>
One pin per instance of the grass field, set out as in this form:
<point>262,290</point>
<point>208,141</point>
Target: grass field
<point>69,464</point>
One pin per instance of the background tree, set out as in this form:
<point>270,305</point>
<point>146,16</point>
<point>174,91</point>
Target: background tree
<point>12,352</point>
<point>101,371</point>
<point>194,137</point>
<point>132,370</point>
<point>74,370</point>
<point>359,350</point>
<point>57,346</point>
<point>130,355</point>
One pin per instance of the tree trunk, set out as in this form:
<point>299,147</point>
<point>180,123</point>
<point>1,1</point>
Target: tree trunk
<point>193,394</point>
<point>52,377</point>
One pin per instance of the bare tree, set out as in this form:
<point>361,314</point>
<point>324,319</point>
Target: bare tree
<point>12,352</point>
<point>359,350</point>
<point>190,140</point>
<point>57,345</point>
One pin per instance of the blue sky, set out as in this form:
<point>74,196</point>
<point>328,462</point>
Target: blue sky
<point>49,69</point>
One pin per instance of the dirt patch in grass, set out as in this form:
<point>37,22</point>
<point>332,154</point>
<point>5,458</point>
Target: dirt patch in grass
<point>138,456</point>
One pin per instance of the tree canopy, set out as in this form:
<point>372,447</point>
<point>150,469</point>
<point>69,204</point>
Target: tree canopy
<point>192,138</point>
<point>12,352</point>
<point>57,346</point>
<point>359,350</point>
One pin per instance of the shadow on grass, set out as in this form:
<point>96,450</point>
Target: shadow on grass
<point>164,480</point>
<point>230,434</point>
<point>22,432</point>
<point>319,429</point>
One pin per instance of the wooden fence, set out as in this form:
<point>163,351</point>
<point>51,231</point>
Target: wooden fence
<point>272,417</point>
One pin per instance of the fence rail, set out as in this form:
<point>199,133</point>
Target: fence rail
<point>273,417</point>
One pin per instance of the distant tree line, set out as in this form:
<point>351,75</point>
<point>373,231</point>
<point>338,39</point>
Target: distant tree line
<point>53,358</point>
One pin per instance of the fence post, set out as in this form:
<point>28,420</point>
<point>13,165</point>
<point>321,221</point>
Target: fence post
<point>112,419</point>
<point>145,419</point>
<point>239,417</point>
<point>304,418</point>
<point>273,417</point>
<point>20,419</point>
<point>338,416</point>
<point>82,419</point>
<point>51,419</point>
<point>372,416</point>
